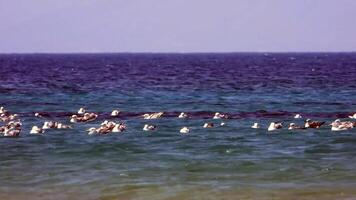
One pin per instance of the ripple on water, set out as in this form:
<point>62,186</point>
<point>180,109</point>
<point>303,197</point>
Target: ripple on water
<point>248,164</point>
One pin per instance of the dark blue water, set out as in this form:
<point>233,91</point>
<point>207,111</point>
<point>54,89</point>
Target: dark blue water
<point>223,162</point>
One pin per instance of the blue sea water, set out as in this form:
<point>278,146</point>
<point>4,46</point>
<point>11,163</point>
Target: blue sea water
<point>220,163</point>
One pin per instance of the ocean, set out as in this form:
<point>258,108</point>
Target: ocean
<point>227,162</point>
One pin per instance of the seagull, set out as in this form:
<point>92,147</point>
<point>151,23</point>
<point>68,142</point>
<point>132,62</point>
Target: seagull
<point>46,125</point>
<point>148,127</point>
<point>12,132</point>
<point>104,123</point>
<point>104,130</point>
<point>297,116</point>
<point>7,117</point>
<point>208,125</point>
<point>336,122</point>
<point>110,124</point>
<point>255,125</point>
<point>153,115</point>
<point>184,130</point>
<point>293,126</point>
<point>353,116</point>
<point>337,125</point>
<point>92,131</point>
<point>183,115</point>
<point>115,113</point>
<point>218,115</point>
<point>89,117</point>
<point>63,126</point>
<point>12,129</point>
<point>36,130</point>
<point>76,119</point>
<point>49,125</point>
<point>2,110</point>
<point>313,124</point>
<point>38,114</point>
<point>118,128</point>
<point>274,126</point>
<point>81,111</point>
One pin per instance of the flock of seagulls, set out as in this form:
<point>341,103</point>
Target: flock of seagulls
<point>13,126</point>
<point>336,125</point>
<point>107,127</point>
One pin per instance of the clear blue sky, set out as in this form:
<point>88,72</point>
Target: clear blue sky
<point>177,25</point>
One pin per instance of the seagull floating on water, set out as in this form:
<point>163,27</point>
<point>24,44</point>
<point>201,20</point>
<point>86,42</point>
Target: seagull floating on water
<point>5,117</point>
<point>12,132</point>
<point>63,126</point>
<point>81,111</point>
<point>48,125</point>
<point>92,131</point>
<point>149,127</point>
<point>74,119</point>
<point>338,125</point>
<point>118,128</point>
<point>55,125</point>
<point>184,130</point>
<point>293,126</point>
<point>255,125</point>
<point>104,123</point>
<point>38,114</point>
<point>2,110</point>
<point>183,115</point>
<point>36,130</point>
<point>313,124</point>
<point>208,125</point>
<point>107,127</point>
<point>153,115</point>
<point>218,115</point>
<point>353,116</point>
<point>115,113</point>
<point>274,126</point>
<point>297,116</point>
<point>87,117</point>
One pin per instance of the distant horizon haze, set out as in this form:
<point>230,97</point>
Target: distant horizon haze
<point>187,53</point>
<point>177,26</point>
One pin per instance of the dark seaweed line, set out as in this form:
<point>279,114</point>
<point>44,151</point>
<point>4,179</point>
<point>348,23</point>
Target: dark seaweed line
<point>203,114</point>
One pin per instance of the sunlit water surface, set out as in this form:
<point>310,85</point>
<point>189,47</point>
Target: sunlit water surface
<point>227,162</point>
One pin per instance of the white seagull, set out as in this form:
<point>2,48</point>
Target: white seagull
<point>274,126</point>
<point>353,116</point>
<point>81,111</point>
<point>297,116</point>
<point>115,113</point>
<point>255,125</point>
<point>184,130</point>
<point>36,130</point>
<point>182,115</point>
<point>148,127</point>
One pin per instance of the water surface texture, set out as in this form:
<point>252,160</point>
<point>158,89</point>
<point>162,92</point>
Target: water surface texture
<point>231,162</point>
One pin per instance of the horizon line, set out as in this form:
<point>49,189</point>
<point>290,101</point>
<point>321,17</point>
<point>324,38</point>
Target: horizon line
<point>179,52</point>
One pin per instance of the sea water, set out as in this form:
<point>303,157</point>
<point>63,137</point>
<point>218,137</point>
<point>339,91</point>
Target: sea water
<point>229,162</point>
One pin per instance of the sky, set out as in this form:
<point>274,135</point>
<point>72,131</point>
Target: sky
<point>66,26</point>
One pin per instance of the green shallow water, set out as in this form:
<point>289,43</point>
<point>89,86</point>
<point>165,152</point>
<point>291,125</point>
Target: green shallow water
<point>184,192</point>
<point>221,164</point>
